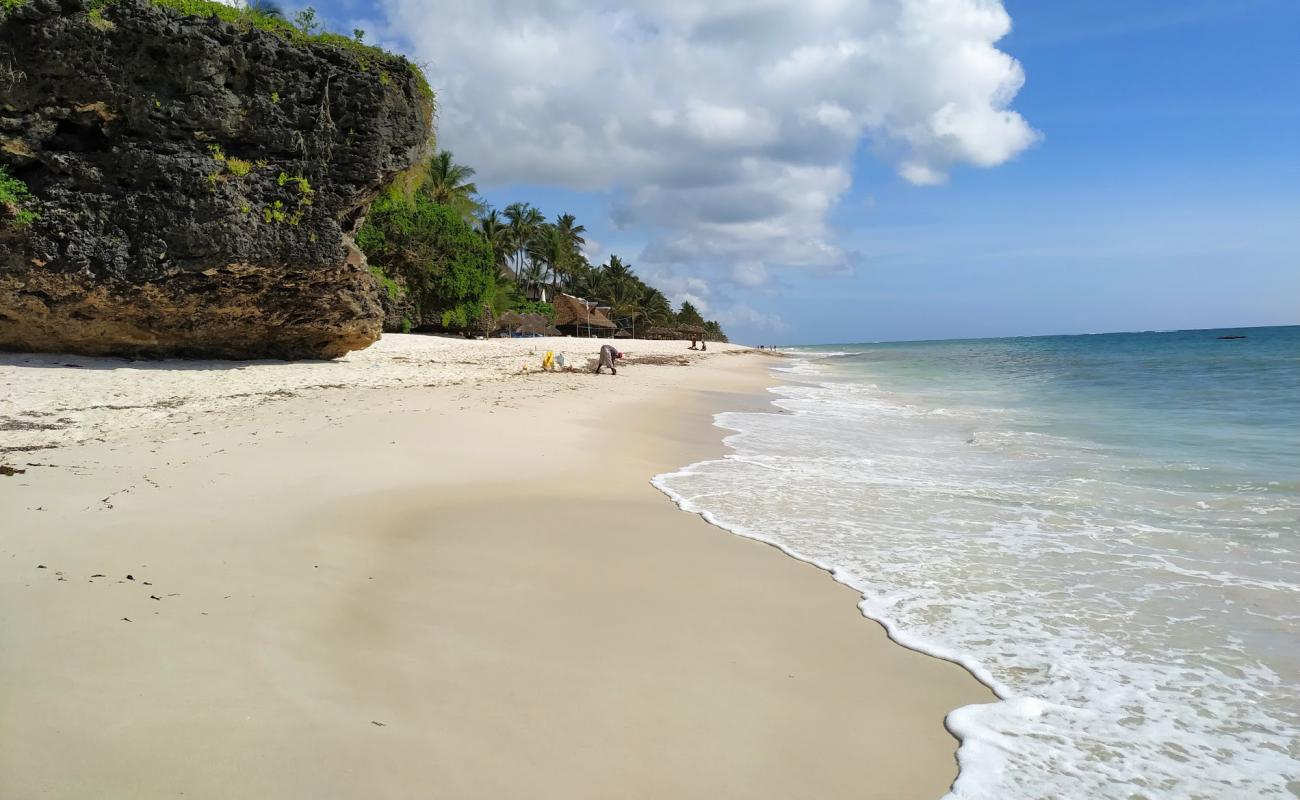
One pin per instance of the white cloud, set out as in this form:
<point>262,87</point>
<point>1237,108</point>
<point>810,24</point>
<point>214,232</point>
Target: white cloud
<point>920,174</point>
<point>724,129</point>
<point>749,273</point>
<point>594,251</point>
<point>720,306</point>
<point>742,316</point>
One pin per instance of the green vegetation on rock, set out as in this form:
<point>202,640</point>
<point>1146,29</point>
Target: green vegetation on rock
<point>393,289</point>
<point>97,19</point>
<point>304,29</point>
<point>9,5</point>
<point>236,166</point>
<point>12,190</point>
<point>14,198</point>
<point>445,265</point>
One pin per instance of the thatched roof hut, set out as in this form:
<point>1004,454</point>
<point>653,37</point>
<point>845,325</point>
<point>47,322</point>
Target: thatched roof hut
<point>517,324</point>
<point>510,320</point>
<point>659,332</point>
<point>533,327</point>
<point>577,317</point>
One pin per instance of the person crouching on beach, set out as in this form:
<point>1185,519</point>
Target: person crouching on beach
<point>608,355</point>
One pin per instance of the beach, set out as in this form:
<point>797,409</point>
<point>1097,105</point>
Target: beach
<point>424,570</point>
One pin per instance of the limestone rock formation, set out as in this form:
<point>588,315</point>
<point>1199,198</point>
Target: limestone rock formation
<point>196,182</point>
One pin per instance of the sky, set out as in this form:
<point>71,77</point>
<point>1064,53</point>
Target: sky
<point>822,171</point>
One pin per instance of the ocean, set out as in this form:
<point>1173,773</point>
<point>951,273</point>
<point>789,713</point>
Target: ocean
<point>1104,529</point>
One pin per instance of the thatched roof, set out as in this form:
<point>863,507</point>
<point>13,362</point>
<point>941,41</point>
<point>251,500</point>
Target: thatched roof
<point>674,332</point>
<point>659,332</point>
<point>533,328</point>
<point>570,311</point>
<point>530,324</point>
<point>622,335</point>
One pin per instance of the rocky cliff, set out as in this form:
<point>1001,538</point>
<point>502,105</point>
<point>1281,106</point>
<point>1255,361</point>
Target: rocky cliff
<point>195,182</point>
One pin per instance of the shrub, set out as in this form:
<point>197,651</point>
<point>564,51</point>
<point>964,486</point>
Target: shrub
<point>15,197</point>
<point>507,296</point>
<point>447,267</point>
<point>12,191</point>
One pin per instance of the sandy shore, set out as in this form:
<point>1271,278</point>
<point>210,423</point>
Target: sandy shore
<point>48,400</point>
<point>465,590</point>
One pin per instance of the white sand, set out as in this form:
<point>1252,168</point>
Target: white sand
<point>59,399</point>
<point>458,592</point>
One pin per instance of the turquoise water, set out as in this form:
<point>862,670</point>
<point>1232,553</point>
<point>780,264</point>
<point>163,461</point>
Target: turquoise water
<point>1105,529</point>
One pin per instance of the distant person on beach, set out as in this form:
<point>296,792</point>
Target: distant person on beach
<point>693,346</point>
<point>607,357</point>
<point>704,345</point>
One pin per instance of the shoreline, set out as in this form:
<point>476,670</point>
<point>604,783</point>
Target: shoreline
<point>364,591</point>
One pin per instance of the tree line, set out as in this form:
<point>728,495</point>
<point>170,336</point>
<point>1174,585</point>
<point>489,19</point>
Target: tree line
<point>447,260</point>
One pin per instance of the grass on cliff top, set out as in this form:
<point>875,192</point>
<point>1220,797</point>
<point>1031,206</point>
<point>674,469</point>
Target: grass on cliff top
<point>286,30</point>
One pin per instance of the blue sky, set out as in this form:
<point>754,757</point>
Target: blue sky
<point>1165,192</point>
<point>1162,190</point>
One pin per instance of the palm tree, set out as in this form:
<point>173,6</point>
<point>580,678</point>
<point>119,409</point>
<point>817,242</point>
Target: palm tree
<point>713,331</point>
<point>624,296</point>
<point>449,184</point>
<point>571,234</point>
<point>550,249</point>
<point>523,220</point>
<point>689,315</point>
<point>655,307</point>
<point>566,225</point>
<point>496,232</point>
<point>587,279</point>
<point>579,276</point>
<point>616,270</point>
<point>533,274</point>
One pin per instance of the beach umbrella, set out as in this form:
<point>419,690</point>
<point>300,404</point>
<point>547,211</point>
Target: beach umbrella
<point>536,325</point>
<point>530,329</point>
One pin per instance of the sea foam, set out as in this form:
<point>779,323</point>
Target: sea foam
<point>1133,607</point>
